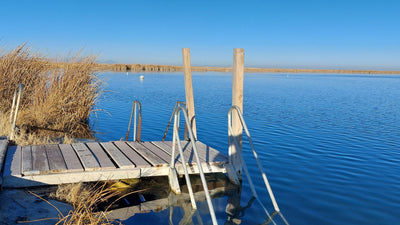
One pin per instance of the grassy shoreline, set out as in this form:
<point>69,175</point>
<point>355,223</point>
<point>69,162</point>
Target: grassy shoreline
<point>171,68</point>
<point>56,102</point>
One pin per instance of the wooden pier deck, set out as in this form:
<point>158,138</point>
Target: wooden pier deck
<point>85,162</point>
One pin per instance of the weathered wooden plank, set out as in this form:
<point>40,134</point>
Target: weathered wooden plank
<point>65,178</point>
<point>132,155</point>
<point>101,156</point>
<point>167,151</point>
<point>40,164</point>
<point>56,160</point>
<point>210,154</point>
<point>206,153</point>
<point>187,151</point>
<point>88,176</point>
<point>147,149</point>
<point>71,159</point>
<point>12,165</point>
<point>27,166</point>
<point>119,158</point>
<point>88,160</point>
<point>3,149</point>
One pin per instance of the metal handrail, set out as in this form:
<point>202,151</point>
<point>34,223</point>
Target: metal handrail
<point>136,129</point>
<point>178,103</point>
<point>176,141</point>
<point>264,176</point>
<point>15,108</point>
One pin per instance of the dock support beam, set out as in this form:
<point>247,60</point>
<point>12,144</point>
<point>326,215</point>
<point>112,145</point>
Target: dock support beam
<point>189,89</point>
<point>237,99</point>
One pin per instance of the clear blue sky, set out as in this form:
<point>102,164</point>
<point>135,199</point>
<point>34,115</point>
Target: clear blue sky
<point>281,33</point>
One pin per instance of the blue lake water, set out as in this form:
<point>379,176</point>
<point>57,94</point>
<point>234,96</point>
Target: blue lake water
<point>330,144</point>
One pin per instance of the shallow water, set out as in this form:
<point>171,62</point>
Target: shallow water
<point>329,143</point>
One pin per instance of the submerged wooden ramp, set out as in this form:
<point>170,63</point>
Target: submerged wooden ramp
<point>84,162</point>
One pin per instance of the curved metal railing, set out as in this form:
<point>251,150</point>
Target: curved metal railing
<point>178,103</point>
<point>137,122</point>
<point>176,142</point>
<point>243,164</point>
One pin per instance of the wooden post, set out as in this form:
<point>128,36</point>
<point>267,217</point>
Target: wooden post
<point>189,89</point>
<point>237,99</point>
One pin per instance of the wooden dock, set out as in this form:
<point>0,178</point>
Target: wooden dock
<point>38,165</point>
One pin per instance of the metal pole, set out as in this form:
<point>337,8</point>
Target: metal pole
<point>16,111</point>
<point>13,104</point>
<point>203,179</point>
<point>271,194</point>
<point>130,121</point>
<point>134,121</point>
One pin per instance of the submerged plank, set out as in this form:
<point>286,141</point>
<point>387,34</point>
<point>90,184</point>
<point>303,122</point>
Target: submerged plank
<point>144,151</point>
<point>101,156</point>
<point>40,164</point>
<point>119,158</point>
<point>89,162</point>
<point>56,160</point>
<point>71,159</point>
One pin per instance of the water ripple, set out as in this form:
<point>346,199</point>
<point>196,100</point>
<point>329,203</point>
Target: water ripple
<point>329,144</point>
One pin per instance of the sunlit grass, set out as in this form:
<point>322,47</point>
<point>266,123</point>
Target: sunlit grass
<point>56,101</point>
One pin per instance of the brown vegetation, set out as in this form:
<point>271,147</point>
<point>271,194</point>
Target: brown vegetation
<point>170,68</point>
<point>85,199</point>
<point>56,101</point>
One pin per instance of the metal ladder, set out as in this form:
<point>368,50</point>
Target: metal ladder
<point>233,141</point>
<point>173,177</point>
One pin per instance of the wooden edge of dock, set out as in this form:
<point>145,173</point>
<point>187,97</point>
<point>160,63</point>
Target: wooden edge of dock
<point>42,168</point>
<point>3,149</point>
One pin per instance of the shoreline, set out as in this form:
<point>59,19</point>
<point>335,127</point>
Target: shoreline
<point>169,68</point>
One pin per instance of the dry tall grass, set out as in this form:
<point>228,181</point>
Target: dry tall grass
<point>85,199</point>
<point>55,101</point>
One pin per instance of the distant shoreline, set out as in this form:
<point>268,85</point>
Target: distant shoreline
<point>169,68</point>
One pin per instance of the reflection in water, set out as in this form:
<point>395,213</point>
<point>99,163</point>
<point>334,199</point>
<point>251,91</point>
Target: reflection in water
<point>155,196</point>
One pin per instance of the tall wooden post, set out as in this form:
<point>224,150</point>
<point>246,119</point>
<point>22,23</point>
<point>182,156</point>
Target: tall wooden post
<point>237,99</point>
<point>189,88</point>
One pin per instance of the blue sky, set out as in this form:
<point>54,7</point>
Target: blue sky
<point>326,34</point>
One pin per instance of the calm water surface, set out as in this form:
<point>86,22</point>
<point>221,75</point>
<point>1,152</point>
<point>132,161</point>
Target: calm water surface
<point>330,144</point>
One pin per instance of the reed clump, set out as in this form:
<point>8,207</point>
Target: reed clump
<point>56,101</point>
<point>85,199</point>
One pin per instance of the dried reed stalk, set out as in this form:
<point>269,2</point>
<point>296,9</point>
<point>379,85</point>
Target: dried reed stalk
<point>56,101</point>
